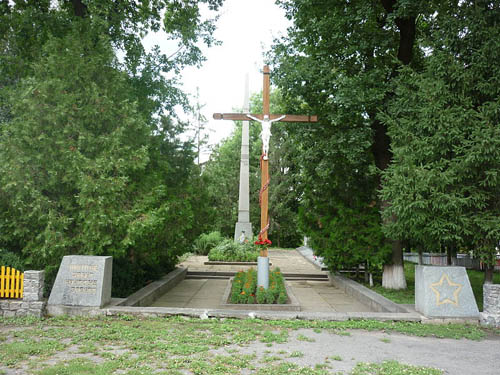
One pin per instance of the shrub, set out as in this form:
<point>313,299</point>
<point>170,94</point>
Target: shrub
<point>206,242</point>
<point>231,251</point>
<point>10,259</point>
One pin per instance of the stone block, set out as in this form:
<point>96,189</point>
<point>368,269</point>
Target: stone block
<point>37,305</point>
<point>28,297</point>
<point>491,298</point>
<point>9,313</point>
<point>34,275</point>
<point>444,292</point>
<point>83,281</point>
<point>21,312</point>
<point>489,320</point>
<point>15,305</point>
<point>33,285</point>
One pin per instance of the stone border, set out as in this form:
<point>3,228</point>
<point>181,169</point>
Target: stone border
<point>252,314</point>
<point>147,295</point>
<point>32,303</point>
<point>365,295</point>
<point>293,304</point>
<point>308,253</point>
<point>491,306</point>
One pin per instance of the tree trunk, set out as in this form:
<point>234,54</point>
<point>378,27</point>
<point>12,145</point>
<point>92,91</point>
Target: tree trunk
<point>393,276</point>
<point>79,8</point>
<point>420,256</point>
<point>488,274</point>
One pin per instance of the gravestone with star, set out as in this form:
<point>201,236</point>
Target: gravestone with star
<point>444,292</point>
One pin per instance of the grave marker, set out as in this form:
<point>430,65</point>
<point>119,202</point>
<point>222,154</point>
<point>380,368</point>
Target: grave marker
<point>83,281</point>
<point>444,292</point>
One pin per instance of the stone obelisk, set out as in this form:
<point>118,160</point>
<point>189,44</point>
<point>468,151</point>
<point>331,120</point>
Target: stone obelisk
<point>244,226</point>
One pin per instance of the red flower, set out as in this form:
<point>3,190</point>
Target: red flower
<point>263,242</point>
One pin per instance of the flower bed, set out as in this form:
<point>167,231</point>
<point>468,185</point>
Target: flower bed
<point>231,251</point>
<point>244,289</point>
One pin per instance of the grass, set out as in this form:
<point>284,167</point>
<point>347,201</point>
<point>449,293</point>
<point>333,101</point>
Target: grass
<point>179,345</point>
<point>407,296</point>
<point>392,368</point>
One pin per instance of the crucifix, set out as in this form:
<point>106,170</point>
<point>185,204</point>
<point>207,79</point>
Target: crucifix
<point>266,119</point>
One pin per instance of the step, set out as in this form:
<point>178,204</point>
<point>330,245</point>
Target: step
<point>211,277</point>
<point>228,274</point>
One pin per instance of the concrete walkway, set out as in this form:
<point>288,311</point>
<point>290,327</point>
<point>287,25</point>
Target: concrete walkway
<point>289,261</point>
<point>313,296</point>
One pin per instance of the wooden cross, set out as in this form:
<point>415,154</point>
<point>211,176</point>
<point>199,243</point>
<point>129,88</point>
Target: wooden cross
<point>264,196</point>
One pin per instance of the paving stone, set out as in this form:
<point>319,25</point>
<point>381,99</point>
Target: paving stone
<point>313,295</point>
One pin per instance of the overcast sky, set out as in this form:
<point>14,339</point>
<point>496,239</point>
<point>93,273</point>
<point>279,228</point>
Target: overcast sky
<point>246,29</point>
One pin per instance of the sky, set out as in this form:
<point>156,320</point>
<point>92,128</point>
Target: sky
<point>246,29</point>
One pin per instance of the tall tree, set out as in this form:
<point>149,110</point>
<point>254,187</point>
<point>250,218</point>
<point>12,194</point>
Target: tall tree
<point>444,184</point>
<point>341,59</point>
<point>89,156</point>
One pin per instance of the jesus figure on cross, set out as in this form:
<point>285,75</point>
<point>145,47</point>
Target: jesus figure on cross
<point>266,119</point>
<point>266,132</point>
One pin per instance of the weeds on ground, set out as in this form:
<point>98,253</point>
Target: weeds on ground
<point>173,345</point>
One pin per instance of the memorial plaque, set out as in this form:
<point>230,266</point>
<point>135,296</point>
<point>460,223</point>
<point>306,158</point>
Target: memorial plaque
<point>444,292</point>
<point>83,281</point>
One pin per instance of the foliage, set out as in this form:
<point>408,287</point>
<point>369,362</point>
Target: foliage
<point>207,241</point>
<point>407,102</point>
<point>90,161</point>
<point>233,251</point>
<point>345,83</point>
<point>244,289</point>
<point>444,183</point>
<point>9,259</point>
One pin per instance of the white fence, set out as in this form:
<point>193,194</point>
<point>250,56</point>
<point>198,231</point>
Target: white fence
<point>439,259</point>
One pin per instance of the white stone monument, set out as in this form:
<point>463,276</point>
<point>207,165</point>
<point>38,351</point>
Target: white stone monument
<point>83,281</point>
<point>444,292</point>
<point>244,226</point>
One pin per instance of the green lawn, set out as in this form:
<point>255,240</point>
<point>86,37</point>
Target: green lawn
<point>408,296</point>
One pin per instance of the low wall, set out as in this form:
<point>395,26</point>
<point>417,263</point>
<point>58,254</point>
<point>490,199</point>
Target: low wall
<point>365,295</point>
<point>147,295</point>
<point>491,305</point>
<point>32,303</point>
